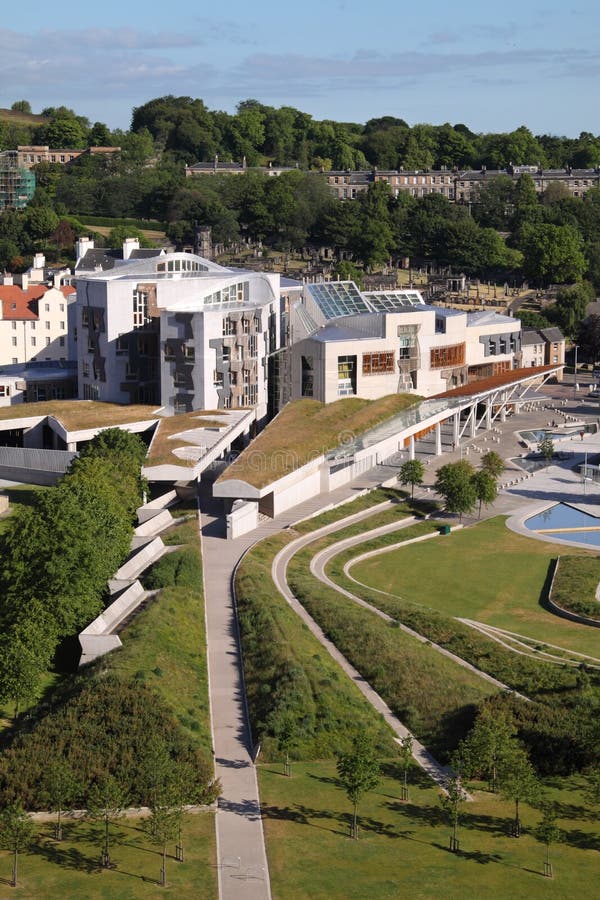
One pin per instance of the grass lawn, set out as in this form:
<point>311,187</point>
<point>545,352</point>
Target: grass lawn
<point>69,870</point>
<point>402,850</point>
<point>305,429</point>
<point>487,573</point>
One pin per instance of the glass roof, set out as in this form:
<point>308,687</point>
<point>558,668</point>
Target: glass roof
<point>388,301</point>
<point>338,298</point>
<point>397,424</point>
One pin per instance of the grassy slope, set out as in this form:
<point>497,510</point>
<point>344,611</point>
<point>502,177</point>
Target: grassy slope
<point>165,646</point>
<point>432,694</point>
<point>339,706</point>
<point>305,429</point>
<point>402,847</point>
<point>487,573</point>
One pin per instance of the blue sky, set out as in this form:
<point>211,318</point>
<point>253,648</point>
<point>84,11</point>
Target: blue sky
<point>492,67</point>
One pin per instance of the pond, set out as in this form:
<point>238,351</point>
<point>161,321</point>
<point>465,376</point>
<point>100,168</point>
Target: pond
<point>535,436</point>
<point>574,521</point>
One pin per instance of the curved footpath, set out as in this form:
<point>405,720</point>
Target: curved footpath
<point>320,561</point>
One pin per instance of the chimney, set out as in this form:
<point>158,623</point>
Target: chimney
<point>39,261</point>
<point>129,245</point>
<point>82,246</point>
<point>24,281</point>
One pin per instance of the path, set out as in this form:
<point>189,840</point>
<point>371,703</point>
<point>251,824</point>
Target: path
<point>241,856</point>
<point>437,772</point>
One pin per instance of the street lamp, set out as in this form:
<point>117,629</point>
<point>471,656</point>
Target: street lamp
<point>575,375</point>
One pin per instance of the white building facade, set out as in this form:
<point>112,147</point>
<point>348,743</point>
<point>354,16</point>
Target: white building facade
<point>176,330</point>
<point>372,344</point>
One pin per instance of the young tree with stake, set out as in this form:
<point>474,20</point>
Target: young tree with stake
<point>359,773</point>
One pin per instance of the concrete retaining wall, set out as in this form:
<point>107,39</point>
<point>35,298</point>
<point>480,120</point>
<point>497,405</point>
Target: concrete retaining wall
<point>154,507</point>
<point>155,525</point>
<point>144,557</point>
<point>566,613</point>
<point>242,519</point>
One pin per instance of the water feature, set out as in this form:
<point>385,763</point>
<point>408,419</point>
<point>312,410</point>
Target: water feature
<point>562,515</point>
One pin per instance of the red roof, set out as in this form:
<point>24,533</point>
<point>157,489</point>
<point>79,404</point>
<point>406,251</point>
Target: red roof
<point>67,289</point>
<point>495,381</point>
<point>20,304</point>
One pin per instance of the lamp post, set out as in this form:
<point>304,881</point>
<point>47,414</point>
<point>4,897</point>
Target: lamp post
<point>575,375</point>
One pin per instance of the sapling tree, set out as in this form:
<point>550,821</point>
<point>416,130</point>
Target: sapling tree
<point>548,833</point>
<point>412,472</point>
<point>518,782</point>
<point>164,825</point>
<point>492,463</point>
<point>482,753</point>
<point>486,489</point>
<point>16,833</point>
<point>358,771</point>
<point>106,802</point>
<point>405,746</point>
<point>60,789</point>
<point>546,448</point>
<point>451,800</point>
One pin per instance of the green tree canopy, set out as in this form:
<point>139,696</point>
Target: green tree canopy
<point>358,772</point>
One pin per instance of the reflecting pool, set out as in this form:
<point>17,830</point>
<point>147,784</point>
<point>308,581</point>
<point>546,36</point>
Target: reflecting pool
<point>563,516</point>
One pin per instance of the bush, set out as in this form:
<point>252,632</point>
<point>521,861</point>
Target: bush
<point>107,725</point>
<point>178,569</point>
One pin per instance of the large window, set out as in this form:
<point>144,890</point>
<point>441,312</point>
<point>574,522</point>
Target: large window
<point>378,363</point>
<point>442,357</point>
<point>140,309</point>
<point>346,376</point>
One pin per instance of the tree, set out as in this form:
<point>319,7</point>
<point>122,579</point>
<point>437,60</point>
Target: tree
<point>16,833</point>
<point>492,463</point>
<point>412,472</point>
<point>482,753</point>
<point>548,833</point>
<point>358,772</point>
<point>60,790</point>
<point>454,482</point>
<point>106,802</point>
<point>486,489</point>
<point>553,253</point>
<point>405,750</point>
<point>588,338</point>
<point>546,448</point>
<point>286,736</point>
<point>26,649</point>
<point>518,782</point>
<point>163,826</point>
<point>22,106</point>
<point>451,801</point>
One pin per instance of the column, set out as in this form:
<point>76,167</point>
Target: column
<point>472,419</point>
<point>456,432</point>
<point>411,447</point>
<point>438,439</point>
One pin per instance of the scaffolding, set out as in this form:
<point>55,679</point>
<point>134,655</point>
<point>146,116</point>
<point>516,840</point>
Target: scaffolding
<point>17,185</point>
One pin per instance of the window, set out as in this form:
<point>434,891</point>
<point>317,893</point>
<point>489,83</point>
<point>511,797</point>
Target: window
<point>378,363</point>
<point>86,370</point>
<point>85,316</point>
<point>218,379</point>
<point>453,355</point>
<point>228,326</point>
<point>33,324</point>
<point>245,325</point>
<point>253,346</point>
<point>47,326</point>
<point>61,307</point>
<point>226,354</point>
<point>33,342</point>
<point>14,325</point>
<point>4,390</point>
<point>90,392</point>
<point>189,351</point>
<point>47,342</point>
<point>122,346</point>
<point>13,342</point>
<point>169,351</point>
<point>61,326</point>
<point>61,341</point>
<point>46,307</point>
<point>346,376</point>
<point>140,309</point>
<point>15,360</point>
